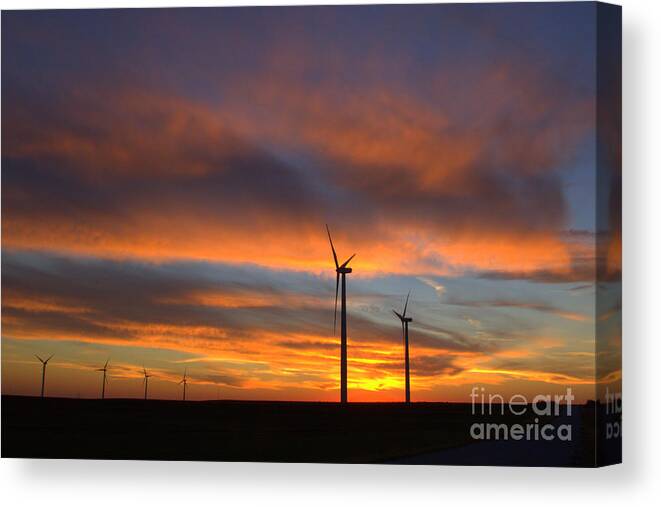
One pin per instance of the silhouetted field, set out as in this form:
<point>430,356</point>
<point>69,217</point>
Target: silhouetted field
<point>235,430</point>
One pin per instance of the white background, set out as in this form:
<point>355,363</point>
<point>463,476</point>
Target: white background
<point>637,481</point>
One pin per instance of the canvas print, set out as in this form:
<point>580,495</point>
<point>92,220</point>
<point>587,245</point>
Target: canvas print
<point>343,234</point>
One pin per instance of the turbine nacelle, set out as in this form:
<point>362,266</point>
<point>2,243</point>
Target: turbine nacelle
<point>402,316</point>
<point>345,271</point>
<point>44,361</point>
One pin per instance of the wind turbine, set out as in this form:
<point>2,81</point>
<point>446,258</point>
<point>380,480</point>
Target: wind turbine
<point>184,381</point>
<point>105,380</point>
<point>405,332</point>
<point>146,380</point>
<point>342,270</point>
<point>43,372</point>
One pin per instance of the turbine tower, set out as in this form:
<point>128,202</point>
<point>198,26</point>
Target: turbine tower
<point>184,381</point>
<point>405,332</point>
<point>103,385</point>
<point>43,372</point>
<point>342,270</point>
<point>146,380</point>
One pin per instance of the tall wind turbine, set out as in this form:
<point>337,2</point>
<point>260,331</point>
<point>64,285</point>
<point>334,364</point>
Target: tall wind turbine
<point>43,372</point>
<point>342,270</point>
<point>405,332</point>
<point>183,382</point>
<point>103,385</point>
<point>146,380</point>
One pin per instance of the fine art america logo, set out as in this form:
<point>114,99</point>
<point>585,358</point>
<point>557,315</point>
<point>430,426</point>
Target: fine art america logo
<point>558,407</point>
<point>613,414</point>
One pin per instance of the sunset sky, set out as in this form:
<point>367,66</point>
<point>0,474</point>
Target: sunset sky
<point>167,176</point>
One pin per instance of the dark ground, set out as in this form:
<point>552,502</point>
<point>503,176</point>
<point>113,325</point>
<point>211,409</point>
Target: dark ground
<point>422,433</point>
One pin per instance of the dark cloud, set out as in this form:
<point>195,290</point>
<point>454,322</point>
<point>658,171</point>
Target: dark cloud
<point>59,297</point>
<point>221,379</point>
<point>307,345</point>
<point>585,286</point>
<point>524,305</point>
<point>170,161</point>
<point>541,275</point>
<point>426,366</point>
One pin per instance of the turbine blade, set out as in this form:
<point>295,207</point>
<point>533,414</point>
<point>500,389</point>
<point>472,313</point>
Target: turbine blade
<point>40,359</point>
<point>106,365</point>
<point>347,261</point>
<point>398,315</point>
<point>49,358</point>
<point>337,288</point>
<point>332,247</point>
<point>406,304</point>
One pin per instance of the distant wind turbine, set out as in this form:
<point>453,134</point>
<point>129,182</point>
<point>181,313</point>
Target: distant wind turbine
<point>43,372</point>
<point>183,382</point>
<point>341,270</point>
<point>105,380</point>
<point>146,380</point>
<point>405,332</point>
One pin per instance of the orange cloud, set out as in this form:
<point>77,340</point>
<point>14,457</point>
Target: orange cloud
<point>159,176</point>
